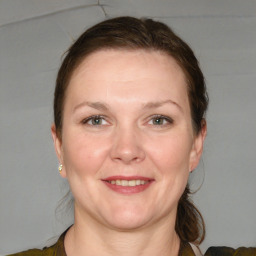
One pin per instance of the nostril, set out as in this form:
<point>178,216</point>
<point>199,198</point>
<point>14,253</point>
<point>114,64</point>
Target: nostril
<point>127,146</point>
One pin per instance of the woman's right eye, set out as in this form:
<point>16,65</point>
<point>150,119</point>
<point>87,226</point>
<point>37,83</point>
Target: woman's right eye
<point>95,121</point>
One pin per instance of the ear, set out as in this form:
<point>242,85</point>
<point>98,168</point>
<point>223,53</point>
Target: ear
<point>58,149</point>
<point>197,148</point>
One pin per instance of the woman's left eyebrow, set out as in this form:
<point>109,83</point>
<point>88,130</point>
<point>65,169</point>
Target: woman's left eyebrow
<point>157,104</point>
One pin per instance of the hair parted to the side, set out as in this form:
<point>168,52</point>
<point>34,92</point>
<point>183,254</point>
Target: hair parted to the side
<point>145,34</point>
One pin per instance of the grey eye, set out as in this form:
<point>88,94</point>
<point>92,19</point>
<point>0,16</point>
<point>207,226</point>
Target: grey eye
<point>158,121</point>
<point>95,121</point>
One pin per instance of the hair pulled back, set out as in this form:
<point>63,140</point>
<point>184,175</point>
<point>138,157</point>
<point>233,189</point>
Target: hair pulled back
<point>134,34</point>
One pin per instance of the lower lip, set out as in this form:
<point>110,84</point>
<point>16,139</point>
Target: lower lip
<point>127,190</point>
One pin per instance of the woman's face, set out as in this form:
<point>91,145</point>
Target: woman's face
<point>127,142</point>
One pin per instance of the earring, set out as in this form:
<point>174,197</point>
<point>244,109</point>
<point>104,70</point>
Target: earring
<point>60,168</point>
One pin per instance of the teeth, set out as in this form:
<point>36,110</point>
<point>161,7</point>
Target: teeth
<point>132,183</point>
<point>128,183</point>
<point>124,182</point>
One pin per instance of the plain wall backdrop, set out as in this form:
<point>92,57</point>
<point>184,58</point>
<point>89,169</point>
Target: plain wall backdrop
<point>33,36</point>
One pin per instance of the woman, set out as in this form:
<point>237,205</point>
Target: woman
<point>129,127</point>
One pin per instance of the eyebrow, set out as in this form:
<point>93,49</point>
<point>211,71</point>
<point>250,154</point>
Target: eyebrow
<point>104,107</point>
<point>96,105</point>
<point>158,104</point>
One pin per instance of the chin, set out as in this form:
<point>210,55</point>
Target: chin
<point>127,219</point>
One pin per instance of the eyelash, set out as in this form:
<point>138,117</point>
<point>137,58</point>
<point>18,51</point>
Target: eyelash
<point>154,117</point>
<point>165,118</point>
<point>90,118</point>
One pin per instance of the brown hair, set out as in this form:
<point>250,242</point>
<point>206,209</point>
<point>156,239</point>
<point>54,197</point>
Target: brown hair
<point>133,34</point>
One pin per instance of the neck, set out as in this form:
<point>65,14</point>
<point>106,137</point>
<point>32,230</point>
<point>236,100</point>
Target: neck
<point>88,237</point>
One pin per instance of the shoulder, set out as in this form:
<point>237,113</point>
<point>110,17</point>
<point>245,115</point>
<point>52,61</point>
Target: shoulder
<point>55,250</point>
<point>227,251</point>
<point>36,252</point>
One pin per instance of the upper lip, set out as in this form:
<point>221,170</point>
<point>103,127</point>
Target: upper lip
<point>127,178</point>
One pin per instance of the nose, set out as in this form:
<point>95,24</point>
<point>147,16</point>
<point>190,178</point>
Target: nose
<point>127,146</point>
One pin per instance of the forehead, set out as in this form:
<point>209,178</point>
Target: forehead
<point>129,73</point>
<point>123,60</point>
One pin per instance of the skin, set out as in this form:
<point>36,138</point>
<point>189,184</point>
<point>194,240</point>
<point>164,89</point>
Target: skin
<point>127,89</point>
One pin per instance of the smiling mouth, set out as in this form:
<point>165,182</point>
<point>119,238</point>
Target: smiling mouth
<point>128,183</point>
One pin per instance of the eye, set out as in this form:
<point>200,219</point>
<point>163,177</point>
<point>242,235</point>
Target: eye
<point>95,121</point>
<point>160,120</point>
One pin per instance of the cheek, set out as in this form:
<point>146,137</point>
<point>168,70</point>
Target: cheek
<point>84,154</point>
<point>171,161</point>
<point>170,154</point>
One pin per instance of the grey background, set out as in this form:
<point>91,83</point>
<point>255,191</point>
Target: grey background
<point>33,36</point>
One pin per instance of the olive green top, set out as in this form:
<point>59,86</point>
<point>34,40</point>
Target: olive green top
<point>186,250</point>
